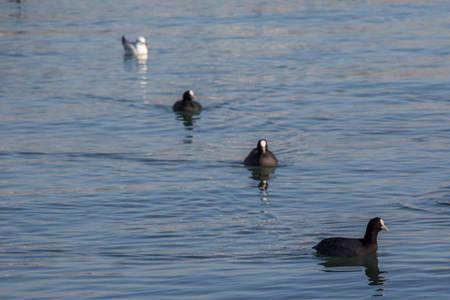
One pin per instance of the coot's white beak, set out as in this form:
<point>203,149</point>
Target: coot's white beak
<point>383,226</point>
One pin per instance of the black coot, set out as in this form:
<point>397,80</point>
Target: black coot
<point>261,156</point>
<point>187,104</point>
<point>347,247</point>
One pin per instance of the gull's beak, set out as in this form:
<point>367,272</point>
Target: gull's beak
<point>383,226</point>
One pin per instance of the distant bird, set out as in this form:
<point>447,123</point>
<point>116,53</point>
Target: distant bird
<point>261,156</point>
<point>138,48</point>
<point>349,247</point>
<point>187,104</point>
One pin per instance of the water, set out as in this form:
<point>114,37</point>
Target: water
<point>106,194</point>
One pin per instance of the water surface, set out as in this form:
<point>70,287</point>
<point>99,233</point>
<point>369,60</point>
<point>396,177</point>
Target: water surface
<point>105,193</point>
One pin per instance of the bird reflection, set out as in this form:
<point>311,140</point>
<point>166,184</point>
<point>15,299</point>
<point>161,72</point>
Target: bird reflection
<point>18,14</point>
<point>370,263</point>
<point>262,174</point>
<point>138,63</point>
<point>187,118</point>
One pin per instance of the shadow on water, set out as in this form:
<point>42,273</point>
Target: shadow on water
<point>370,263</point>
<point>262,175</point>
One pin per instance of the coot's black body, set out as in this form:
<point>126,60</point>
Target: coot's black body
<point>348,247</point>
<point>261,156</point>
<point>187,104</point>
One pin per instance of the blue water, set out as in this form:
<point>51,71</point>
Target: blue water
<point>106,194</point>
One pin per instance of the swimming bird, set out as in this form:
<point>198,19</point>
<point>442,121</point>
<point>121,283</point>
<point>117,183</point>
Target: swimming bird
<point>187,104</point>
<point>351,247</point>
<point>138,48</point>
<point>261,156</point>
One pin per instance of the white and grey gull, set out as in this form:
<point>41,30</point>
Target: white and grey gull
<point>138,48</point>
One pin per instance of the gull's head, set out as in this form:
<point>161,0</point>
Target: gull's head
<point>262,145</point>
<point>188,95</point>
<point>141,40</point>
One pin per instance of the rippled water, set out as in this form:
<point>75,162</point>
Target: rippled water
<point>105,193</point>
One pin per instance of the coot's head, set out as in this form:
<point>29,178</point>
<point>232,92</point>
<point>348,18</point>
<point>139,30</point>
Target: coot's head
<point>141,40</point>
<point>188,95</point>
<point>376,225</point>
<point>262,145</point>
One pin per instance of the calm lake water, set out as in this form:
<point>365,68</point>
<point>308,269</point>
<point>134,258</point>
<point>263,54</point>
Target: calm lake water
<point>105,193</point>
